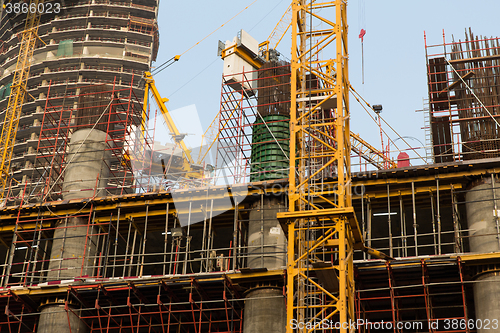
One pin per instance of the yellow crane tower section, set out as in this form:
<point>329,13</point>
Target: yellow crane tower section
<point>18,92</point>
<point>322,232</point>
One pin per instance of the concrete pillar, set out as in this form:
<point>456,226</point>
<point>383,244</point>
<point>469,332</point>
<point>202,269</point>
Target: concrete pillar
<point>265,311</point>
<point>487,299</point>
<point>85,176</point>
<point>87,171</point>
<point>480,216</point>
<point>482,211</point>
<point>69,247</point>
<point>265,308</point>
<point>54,318</point>
<point>266,239</point>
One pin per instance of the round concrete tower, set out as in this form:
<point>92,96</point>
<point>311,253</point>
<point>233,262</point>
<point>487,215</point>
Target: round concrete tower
<point>483,222</point>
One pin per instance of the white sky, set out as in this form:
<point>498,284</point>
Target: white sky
<point>394,52</point>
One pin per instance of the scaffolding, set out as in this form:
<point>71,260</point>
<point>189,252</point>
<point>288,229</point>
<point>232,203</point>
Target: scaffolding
<point>425,296</point>
<point>416,294</point>
<point>251,99</point>
<point>90,53</point>
<point>178,260</point>
<point>253,134</point>
<point>194,232</point>
<point>413,218</point>
<point>464,98</point>
<point>209,304</point>
<point>113,110</point>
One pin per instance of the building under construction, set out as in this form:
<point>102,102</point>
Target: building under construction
<point>75,49</point>
<point>93,241</point>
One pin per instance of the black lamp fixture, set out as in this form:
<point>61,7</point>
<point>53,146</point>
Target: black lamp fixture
<point>377,108</point>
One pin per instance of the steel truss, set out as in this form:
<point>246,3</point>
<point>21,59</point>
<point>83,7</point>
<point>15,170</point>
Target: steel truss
<point>321,238</point>
<point>29,37</point>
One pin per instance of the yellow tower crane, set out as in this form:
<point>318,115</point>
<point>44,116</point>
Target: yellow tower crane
<point>29,37</point>
<point>276,36</point>
<point>321,224</point>
<point>188,168</point>
<point>322,232</point>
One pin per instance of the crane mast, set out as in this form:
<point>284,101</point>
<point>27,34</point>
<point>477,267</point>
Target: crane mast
<point>18,92</point>
<point>322,233</point>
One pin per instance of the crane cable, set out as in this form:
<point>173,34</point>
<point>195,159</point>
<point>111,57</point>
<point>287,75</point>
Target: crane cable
<point>362,32</point>
<point>176,58</point>
<point>356,95</point>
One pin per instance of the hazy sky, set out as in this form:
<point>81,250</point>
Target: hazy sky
<point>394,52</point>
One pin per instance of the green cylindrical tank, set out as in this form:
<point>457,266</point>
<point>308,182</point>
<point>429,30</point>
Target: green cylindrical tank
<point>267,158</point>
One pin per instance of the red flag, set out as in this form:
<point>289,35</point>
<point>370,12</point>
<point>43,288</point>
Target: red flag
<point>362,34</point>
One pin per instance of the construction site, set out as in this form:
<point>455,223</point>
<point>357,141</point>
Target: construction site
<point>296,223</point>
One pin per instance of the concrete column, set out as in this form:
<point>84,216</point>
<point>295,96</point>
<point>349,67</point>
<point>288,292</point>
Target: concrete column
<point>85,176</point>
<point>266,239</point>
<point>54,318</point>
<point>265,309</point>
<point>69,247</point>
<point>482,211</point>
<point>87,171</point>
<point>480,217</point>
<point>487,299</point>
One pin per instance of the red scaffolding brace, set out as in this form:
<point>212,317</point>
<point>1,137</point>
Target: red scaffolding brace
<point>121,120</point>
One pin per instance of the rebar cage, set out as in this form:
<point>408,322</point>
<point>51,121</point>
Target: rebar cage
<point>464,98</point>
